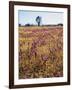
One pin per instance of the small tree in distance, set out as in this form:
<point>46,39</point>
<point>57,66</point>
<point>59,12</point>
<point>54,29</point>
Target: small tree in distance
<point>38,20</point>
<point>19,25</point>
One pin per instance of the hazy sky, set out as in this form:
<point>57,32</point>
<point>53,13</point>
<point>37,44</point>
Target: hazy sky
<point>25,17</point>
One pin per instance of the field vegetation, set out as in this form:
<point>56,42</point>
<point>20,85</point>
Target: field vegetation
<point>40,52</point>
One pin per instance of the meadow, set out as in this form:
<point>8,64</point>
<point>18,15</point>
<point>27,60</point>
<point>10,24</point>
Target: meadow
<point>40,52</point>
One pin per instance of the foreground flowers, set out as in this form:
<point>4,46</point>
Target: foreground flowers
<point>40,52</point>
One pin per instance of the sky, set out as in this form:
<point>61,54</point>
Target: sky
<point>29,17</point>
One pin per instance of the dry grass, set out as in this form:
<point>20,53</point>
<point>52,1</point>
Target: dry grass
<point>40,52</point>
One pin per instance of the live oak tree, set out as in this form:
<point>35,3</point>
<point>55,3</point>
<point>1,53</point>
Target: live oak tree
<point>38,20</point>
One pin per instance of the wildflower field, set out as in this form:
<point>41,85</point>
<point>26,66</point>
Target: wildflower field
<point>40,52</point>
